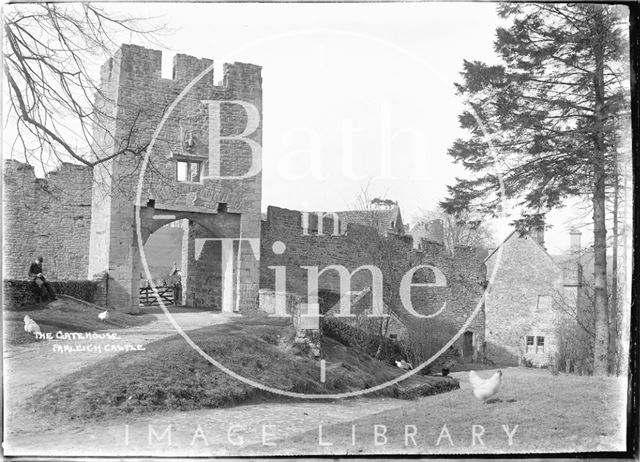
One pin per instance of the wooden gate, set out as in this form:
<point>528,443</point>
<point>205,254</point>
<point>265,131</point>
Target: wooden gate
<point>149,298</point>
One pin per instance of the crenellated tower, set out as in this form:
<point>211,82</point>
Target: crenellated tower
<point>170,120</point>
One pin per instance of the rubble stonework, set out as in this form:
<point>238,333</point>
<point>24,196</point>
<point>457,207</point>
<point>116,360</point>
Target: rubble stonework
<point>464,271</point>
<point>132,79</point>
<point>523,300</point>
<point>48,216</point>
<point>101,244</point>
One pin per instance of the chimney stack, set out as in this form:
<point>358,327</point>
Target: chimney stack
<point>435,231</point>
<point>574,246</point>
<point>537,234</point>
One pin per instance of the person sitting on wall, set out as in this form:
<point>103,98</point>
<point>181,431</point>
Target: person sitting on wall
<point>35,272</point>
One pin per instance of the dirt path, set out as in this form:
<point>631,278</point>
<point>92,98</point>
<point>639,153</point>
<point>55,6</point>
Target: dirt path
<point>30,367</point>
<point>229,431</point>
<point>241,430</point>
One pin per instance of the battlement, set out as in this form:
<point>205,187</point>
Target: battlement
<point>145,65</point>
<point>61,174</point>
<point>280,218</point>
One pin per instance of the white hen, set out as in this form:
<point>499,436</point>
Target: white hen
<point>104,316</point>
<point>30,325</point>
<point>402,364</point>
<point>485,388</point>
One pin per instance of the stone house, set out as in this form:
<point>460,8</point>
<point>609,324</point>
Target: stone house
<point>522,304</point>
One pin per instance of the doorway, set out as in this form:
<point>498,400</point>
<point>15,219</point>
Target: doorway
<point>467,347</point>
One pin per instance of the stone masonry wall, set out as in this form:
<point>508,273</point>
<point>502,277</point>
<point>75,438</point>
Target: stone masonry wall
<point>513,307</point>
<point>140,98</point>
<point>464,272</point>
<point>48,217</point>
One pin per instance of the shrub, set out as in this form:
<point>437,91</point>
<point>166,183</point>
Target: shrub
<point>18,293</point>
<point>351,336</point>
<point>574,350</point>
<point>526,362</point>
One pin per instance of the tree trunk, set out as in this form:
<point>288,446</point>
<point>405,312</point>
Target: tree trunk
<point>384,328</point>
<point>613,308</point>
<point>600,360</point>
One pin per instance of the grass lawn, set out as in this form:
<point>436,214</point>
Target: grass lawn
<point>170,375</point>
<point>563,413</point>
<point>65,315</point>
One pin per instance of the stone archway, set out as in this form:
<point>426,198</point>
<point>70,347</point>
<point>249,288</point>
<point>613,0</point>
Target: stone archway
<point>207,255</point>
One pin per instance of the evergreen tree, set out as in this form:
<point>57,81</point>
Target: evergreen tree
<point>543,123</point>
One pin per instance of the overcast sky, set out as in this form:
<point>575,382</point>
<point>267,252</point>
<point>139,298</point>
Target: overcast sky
<point>353,93</point>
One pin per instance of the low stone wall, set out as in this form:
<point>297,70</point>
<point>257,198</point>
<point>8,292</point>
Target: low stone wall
<point>267,301</point>
<point>18,293</point>
<point>305,333</point>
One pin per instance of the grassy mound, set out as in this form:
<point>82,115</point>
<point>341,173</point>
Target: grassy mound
<point>170,375</point>
<point>65,315</point>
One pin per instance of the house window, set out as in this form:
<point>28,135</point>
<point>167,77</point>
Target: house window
<point>539,344</point>
<point>530,344</point>
<point>188,171</point>
<point>544,303</point>
<point>393,336</point>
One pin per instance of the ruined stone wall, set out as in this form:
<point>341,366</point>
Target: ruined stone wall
<point>464,271</point>
<point>132,80</point>
<point>48,217</point>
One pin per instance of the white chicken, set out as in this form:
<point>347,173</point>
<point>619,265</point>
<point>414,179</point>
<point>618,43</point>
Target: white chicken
<point>485,388</point>
<point>402,364</point>
<point>30,325</point>
<point>104,316</point>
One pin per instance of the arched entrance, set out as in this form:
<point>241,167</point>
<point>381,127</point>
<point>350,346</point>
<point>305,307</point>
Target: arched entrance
<point>209,244</point>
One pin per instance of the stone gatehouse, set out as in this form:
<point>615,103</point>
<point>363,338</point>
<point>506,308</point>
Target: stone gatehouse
<point>86,228</point>
<point>89,224</point>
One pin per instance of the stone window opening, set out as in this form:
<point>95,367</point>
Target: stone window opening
<point>544,303</point>
<point>188,171</point>
<point>530,344</point>
<point>535,344</point>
